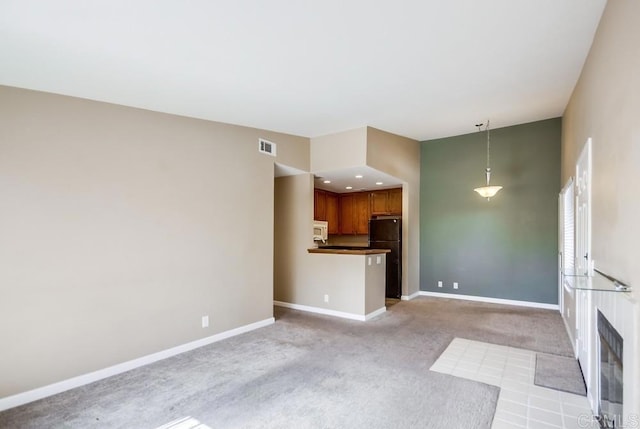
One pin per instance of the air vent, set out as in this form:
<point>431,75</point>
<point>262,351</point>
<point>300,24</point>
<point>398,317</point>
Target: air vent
<point>265,146</point>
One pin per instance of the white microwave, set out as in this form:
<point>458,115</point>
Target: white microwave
<point>320,230</point>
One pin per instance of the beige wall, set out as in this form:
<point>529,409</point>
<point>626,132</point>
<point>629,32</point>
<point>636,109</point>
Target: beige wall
<point>605,106</point>
<point>353,286</point>
<point>293,226</point>
<point>338,151</point>
<point>375,282</point>
<point>121,228</point>
<point>400,157</point>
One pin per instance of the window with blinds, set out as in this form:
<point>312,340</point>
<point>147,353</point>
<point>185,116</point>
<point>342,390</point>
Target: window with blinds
<point>568,228</point>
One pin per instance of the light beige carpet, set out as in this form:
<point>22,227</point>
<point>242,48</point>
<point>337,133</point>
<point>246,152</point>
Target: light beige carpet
<point>312,371</point>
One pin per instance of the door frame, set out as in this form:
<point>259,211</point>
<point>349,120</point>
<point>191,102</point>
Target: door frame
<point>585,317</point>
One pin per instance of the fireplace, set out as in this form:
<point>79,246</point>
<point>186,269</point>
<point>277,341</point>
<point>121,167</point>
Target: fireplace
<point>610,374</point>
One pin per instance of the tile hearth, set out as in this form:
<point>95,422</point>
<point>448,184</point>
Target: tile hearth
<point>521,403</point>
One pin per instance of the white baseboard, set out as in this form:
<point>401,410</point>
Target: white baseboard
<point>81,380</point>
<point>410,297</point>
<point>375,313</point>
<point>571,335</point>
<point>328,312</point>
<point>491,300</point>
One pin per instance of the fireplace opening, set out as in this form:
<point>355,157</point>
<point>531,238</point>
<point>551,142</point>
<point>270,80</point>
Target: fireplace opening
<point>610,369</point>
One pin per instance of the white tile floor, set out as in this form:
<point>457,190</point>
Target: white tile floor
<point>521,403</point>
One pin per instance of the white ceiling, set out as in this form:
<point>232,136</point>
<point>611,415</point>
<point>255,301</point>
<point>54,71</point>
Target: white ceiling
<point>419,68</point>
<point>340,179</point>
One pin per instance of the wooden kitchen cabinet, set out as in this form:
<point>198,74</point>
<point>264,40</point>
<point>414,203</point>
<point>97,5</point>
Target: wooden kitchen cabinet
<point>350,213</point>
<point>380,203</point>
<point>355,213</point>
<point>395,202</point>
<point>325,207</point>
<point>347,216</point>
<point>362,212</point>
<point>387,202</point>
<point>319,205</point>
<point>333,216</point>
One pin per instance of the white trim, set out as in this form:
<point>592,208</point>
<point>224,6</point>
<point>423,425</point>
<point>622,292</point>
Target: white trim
<point>328,312</point>
<point>410,297</point>
<point>81,380</point>
<point>375,313</point>
<point>491,300</point>
<point>571,339</point>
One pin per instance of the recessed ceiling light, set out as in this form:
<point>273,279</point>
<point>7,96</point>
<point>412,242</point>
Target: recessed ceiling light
<point>359,176</point>
<point>379,183</point>
<point>326,181</point>
<point>349,187</point>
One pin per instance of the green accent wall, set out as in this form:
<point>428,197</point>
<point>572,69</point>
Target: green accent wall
<point>504,248</point>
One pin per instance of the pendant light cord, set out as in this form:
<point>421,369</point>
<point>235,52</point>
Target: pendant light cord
<point>487,191</point>
<point>488,146</point>
<point>488,170</point>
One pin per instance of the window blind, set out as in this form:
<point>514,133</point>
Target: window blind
<point>569,230</point>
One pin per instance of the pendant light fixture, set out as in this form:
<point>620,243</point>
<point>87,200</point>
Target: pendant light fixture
<point>487,191</point>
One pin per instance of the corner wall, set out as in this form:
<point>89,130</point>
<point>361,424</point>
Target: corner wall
<point>340,150</point>
<point>400,157</point>
<point>121,228</point>
<point>293,226</point>
<point>504,248</point>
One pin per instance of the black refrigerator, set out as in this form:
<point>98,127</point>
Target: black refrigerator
<point>387,234</point>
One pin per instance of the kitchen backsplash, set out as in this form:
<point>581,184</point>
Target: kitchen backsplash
<point>348,240</point>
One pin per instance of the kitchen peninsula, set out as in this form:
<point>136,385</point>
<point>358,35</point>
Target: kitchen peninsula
<point>347,250</point>
<point>347,282</point>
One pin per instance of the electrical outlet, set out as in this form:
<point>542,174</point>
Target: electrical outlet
<point>378,260</point>
<point>326,298</point>
<point>205,321</point>
<point>455,285</point>
<point>439,283</point>
<point>369,260</point>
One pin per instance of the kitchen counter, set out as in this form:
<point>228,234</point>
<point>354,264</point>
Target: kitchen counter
<point>351,286</point>
<point>337,250</point>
